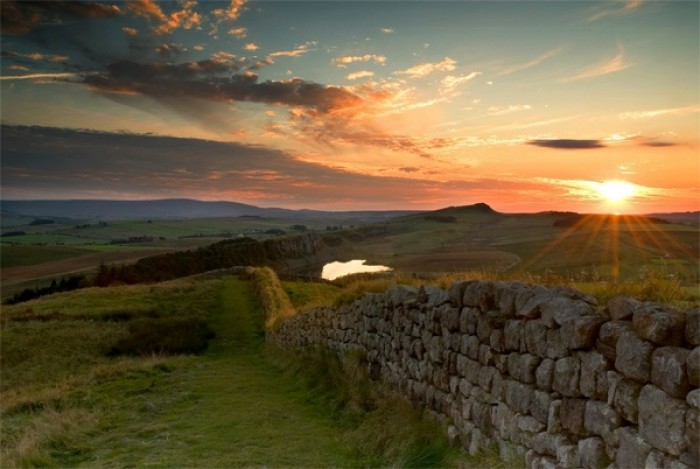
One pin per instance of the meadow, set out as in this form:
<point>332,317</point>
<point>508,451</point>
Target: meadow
<point>76,391</point>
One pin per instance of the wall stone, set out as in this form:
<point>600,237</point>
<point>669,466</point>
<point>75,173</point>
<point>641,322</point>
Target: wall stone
<point>544,374</point>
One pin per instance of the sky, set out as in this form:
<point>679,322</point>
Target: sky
<point>587,106</point>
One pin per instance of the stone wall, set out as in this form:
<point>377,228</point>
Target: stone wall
<point>545,374</point>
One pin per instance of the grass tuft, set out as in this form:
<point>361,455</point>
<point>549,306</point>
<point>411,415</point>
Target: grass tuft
<point>272,297</point>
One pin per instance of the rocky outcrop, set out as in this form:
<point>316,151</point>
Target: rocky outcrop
<point>546,374</point>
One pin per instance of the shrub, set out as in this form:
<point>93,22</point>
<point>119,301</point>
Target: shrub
<point>148,336</point>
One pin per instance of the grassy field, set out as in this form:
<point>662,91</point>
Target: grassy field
<point>68,400</point>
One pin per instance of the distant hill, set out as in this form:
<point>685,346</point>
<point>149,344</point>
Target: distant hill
<point>172,208</point>
<point>686,218</point>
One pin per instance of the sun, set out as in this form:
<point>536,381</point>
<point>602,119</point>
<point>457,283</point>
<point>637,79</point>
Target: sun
<point>616,191</point>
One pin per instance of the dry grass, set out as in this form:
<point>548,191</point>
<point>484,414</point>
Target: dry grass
<point>271,295</point>
<point>52,431</point>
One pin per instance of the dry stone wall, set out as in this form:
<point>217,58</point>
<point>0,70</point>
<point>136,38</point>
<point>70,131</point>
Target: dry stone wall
<point>545,374</point>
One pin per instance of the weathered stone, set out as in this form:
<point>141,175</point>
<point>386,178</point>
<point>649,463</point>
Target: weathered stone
<point>500,361</point>
<point>622,307</point>
<point>556,345</point>
<point>608,336</point>
<point>657,324</point>
<point>473,345</point>
<point>400,293</point>
<point>693,398</point>
<point>435,349</point>
<point>592,453</point>
<point>502,418</point>
<point>513,333</point>
<point>554,417</point>
<point>567,457</point>
<point>692,326</point>
<point>580,333</point>
<point>654,460</point>
<point>456,292</point>
<point>544,374</point>
<point>449,317</point>
<point>528,365</point>
<point>525,423</point>
<point>662,420</point>
<point>485,377</point>
<point>535,335</point>
<point>547,443</point>
<point>468,320</point>
<point>529,299</point>
<point>625,399</point>
<point>668,370</point>
<point>539,407</point>
<point>634,357</point>
<point>480,295</point>
<point>435,297</point>
<point>518,396</point>
<point>483,329</point>
<point>633,450</point>
<point>692,433</point>
<point>566,377</point>
<point>572,414</point>
<point>563,310</point>
<point>601,419</point>
<point>506,293</point>
<point>692,364</point>
<point>497,341</point>
<point>485,355</point>
<point>593,375</point>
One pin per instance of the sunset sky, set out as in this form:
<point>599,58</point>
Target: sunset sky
<point>525,105</point>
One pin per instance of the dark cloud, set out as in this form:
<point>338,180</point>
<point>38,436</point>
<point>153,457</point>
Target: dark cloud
<point>658,144</point>
<point>409,169</point>
<point>170,50</point>
<point>79,163</point>
<point>21,17</point>
<point>568,144</point>
<point>211,80</point>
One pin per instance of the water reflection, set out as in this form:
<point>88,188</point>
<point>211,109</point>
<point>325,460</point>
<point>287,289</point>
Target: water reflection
<point>337,269</point>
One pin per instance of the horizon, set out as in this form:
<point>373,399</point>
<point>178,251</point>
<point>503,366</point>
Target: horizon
<point>277,207</point>
<point>586,107</point>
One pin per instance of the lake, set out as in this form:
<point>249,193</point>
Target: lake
<point>333,270</point>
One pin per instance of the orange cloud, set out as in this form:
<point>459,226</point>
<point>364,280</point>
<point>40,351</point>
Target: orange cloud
<point>251,46</point>
<point>233,12</point>
<point>627,7</point>
<point>421,70</point>
<point>360,74</point>
<point>130,31</point>
<point>612,65</point>
<point>532,63</point>
<point>238,33</point>
<point>345,61</point>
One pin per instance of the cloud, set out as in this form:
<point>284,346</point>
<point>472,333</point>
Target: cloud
<point>612,65</point>
<point>360,74</point>
<point>409,169</point>
<point>238,33</point>
<point>500,110</point>
<point>61,163</point>
<point>568,144</point>
<point>451,82</point>
<point>232,12</point>
<point>532,63</point>
<point>198,47</point>
<point>346,60</point>
<point>679,111</point>
<point>130,31</point>
<point>421,70</point>
<point>36,57</point>
<point>170,50</point>
<point>20,68</point>
<point>621,7</point>
<point>39,76</point>
<point>216,80</point>
<point>658,144</point>
<point>387,30</point>
<point>22,17</point>
<point>186,18</point>
<point>296,52</point>
<point>251,46</point>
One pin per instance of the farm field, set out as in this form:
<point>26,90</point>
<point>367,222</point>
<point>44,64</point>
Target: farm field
<point>449,240</point>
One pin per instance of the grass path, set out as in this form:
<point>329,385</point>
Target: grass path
<point>227,408</point>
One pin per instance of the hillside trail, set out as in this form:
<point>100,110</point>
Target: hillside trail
<point>234,408</point>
